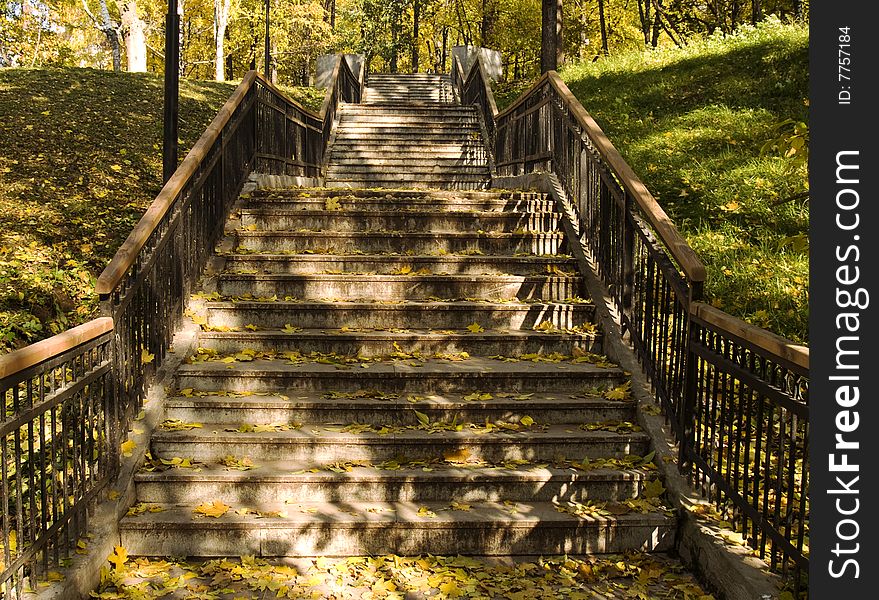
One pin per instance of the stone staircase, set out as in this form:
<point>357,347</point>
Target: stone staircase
<point>395,372</point>
<point>339,405</point>
<point>408,134</point>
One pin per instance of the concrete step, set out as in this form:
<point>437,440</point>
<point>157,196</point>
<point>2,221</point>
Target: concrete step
<point>393,161</point>
<point>423,118</point>
<point>421,315</point>
<point>364,220</point>
<point>322,242</point>
<point>441,110</point>
<point>401,287</point>
<point>452,142</point>
<point>385,155</point>
<point>374,406</point>
<point>462,182</point>
<point>345,529</point>
<point>403,195</point>
<point>399,376</point>
<point>357,169</point>
<point>384,343</point>
<point>377,202</point>
<point>267,483</point>
<point>390,264</point>
<point>396,131</point>
<point>322,443</point>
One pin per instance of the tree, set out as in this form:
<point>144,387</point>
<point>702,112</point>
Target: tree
<point>109,28</point>
<point>221,22</point>
<point>133,30</point>
<point>551,38</point>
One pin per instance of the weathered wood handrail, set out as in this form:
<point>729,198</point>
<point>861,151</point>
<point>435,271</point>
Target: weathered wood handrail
<point>124,258</point>
<point>757,336</point>
<point>27,357</point>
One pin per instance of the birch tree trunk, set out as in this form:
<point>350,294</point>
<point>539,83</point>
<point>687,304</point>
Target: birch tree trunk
<point>135,38</point>
<point>221,21</point>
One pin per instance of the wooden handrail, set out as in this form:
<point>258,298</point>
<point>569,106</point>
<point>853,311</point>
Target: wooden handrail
<point>668,233</point>
<point>489,95</point>
<point>56,345</point>
<point>757,336</point>
<point>128,251</point>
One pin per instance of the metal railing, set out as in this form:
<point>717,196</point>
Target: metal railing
<point>57,423</point>
<point>736,395</point>
<point>69,400</point>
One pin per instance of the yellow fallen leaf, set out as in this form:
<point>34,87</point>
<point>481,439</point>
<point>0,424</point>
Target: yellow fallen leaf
<point>214,509</point>
<point>475,328</point>
<point>128,447</point>
<point>146,357</point>
<point>118,558</point>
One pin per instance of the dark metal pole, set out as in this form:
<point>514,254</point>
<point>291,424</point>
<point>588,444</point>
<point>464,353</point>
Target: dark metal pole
<point>172,86</point>
<point>268,59</point>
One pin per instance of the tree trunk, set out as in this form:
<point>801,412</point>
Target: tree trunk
<point>551,25</point>
<point>221,21</point>
<point>489,20</point>
<point>644,15</point>
<point>756,12</point>
<point>135,38</point>
<point>110,29</point>
<point>603,23</point>
<point>416,21</point>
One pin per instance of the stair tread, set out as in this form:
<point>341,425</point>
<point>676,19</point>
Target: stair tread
<point>371,334</point>
<point>297,399</point>
<point>389,305</point>
<point>300,471</point>
<point>482,514</point>
<point>323,433</point>
<point>450,258</point>
<point>395,212</point>
<point>397,278</point>
<point>400,367</point>
<point>401,234</point>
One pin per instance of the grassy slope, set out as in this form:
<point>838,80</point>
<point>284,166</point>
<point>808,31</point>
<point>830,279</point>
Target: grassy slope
<point>80,160</point>
<point>692,122</point>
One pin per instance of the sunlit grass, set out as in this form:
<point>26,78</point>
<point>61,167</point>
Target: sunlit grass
<point>80,160</point>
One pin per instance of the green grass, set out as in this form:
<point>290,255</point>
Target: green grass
<point>80,160</point>
<point>692,122</point>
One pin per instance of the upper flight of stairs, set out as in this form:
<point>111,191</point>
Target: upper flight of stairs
<point>415,88</point>
<point>396,371</point>
<point>408,134</point>
<point>353,368</point>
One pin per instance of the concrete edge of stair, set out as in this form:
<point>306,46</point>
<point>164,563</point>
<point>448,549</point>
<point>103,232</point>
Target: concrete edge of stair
<point>728,569</point>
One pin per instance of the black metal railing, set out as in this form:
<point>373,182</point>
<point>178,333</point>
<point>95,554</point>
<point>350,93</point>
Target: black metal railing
<point>56,454</point>
<point>707,368</point>
<point>69,401</point>
<point>748,434</point>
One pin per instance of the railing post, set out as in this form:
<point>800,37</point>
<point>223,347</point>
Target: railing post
<point>687,410</point>
<point>628,268</point>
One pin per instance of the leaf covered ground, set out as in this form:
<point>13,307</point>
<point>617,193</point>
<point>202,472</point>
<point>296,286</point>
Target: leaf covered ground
<point>80,160</point>
<point>617,577</point>
<point>716,130</point>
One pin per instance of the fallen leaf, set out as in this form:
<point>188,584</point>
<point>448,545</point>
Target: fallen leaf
<point>214,509</point>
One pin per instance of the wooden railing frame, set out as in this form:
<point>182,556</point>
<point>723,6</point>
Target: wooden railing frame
<point>76,351</point>
<point>718,349</point>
